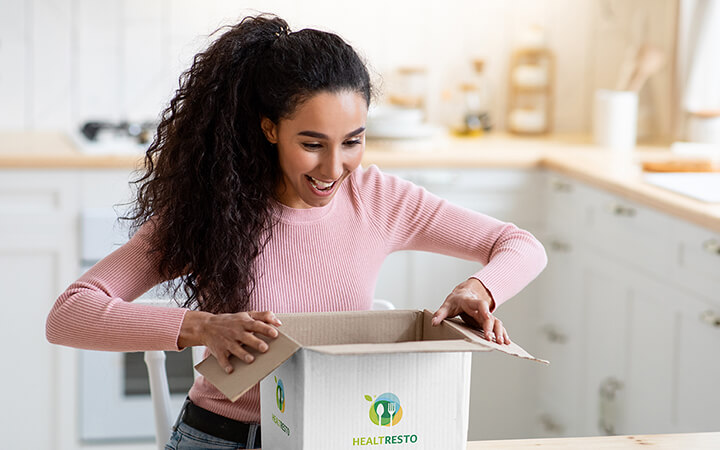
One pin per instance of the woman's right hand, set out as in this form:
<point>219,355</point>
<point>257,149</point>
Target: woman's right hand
<point>228,334</point>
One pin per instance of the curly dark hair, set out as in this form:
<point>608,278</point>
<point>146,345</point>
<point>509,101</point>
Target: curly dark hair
<point>210,173</point>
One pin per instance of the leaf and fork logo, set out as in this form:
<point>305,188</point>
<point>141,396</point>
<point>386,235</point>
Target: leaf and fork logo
<point>385,410</point>
<point>279,394</point>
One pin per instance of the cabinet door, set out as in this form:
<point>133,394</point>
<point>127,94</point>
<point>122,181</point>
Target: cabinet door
<point>631,349</point>
<point>673,370</point>
<point>504,389</point>
<point>698,264</point>
<point>38,259</point>
<point>654,311</point>
<point>558,333</point>
<point>605,292</point>
<point>698,365</point>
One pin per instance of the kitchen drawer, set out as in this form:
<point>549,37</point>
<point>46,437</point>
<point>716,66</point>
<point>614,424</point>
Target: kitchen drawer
<point>478,180</point>
<point>631,233</point>
<point>37,192</point>
<point>698,267</point>
<point>564,213</point>
<point>508,195</point>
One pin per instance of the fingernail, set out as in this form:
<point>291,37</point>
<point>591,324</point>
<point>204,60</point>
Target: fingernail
<point>249,358</point>
<point>274,333</point>
<point>276,320</point>
<point>263,347</point>
<point>228,369</point>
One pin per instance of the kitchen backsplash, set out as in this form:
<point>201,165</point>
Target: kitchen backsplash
<point>63,62</point>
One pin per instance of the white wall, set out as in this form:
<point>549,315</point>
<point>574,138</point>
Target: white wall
<point>66,61</point>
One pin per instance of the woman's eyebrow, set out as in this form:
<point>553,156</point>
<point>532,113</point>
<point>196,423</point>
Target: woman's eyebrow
<point>317,135</point>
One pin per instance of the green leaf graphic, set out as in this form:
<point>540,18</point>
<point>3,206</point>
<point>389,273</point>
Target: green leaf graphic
<point>368,398</point>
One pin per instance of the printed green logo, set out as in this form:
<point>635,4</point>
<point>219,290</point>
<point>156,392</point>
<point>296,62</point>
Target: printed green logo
<point>385,411</point>
<point>280,395</point>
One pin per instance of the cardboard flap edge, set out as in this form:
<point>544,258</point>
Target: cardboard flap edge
<point>477,338</point>
<point>244,376</point>
<point>456,345</point>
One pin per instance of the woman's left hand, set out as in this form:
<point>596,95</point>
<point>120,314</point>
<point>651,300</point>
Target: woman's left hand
<point>473,303</point>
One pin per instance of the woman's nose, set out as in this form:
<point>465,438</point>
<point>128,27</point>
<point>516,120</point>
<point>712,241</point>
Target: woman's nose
<point>333,165</point>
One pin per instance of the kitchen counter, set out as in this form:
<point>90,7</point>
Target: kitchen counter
<point>572,155</point>
<point>686,441</point>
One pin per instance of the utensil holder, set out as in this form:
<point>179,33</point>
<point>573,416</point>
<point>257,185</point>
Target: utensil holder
<point>615,119</point>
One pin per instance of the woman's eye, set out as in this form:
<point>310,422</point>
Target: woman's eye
<point>312,145</point>
<point>353,142</point>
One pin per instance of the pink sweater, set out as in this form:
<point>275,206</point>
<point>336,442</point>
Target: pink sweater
<point>320,259</point>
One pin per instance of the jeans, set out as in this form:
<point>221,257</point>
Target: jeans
<point>185,437</point>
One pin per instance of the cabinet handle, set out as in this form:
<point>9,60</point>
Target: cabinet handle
<point>553,334</point>
<point>561,186</point>
<point>711,318</point>
<point>551,425</point>
<point>622,210</point>
<point>712,246</point>
<point>609,405</point>
<point>560,246</point>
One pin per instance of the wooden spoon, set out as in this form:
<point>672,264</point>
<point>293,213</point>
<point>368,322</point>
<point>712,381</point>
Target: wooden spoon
<point>650,60</point>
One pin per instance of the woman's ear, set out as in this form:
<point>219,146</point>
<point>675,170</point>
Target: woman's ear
<point>270,130</point>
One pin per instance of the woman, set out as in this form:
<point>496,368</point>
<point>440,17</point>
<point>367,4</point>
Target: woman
<point>253,197</point>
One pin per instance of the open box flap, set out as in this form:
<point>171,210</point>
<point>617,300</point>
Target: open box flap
<point>351,333</point>
<point>244,376</point>
<point>477,337</point>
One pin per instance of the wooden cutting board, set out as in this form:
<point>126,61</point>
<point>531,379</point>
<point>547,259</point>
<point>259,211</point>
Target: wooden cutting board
<point>684,165</point>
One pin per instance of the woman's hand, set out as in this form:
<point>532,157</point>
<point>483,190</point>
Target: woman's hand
<point>473,303</point>
<point>228,334</point>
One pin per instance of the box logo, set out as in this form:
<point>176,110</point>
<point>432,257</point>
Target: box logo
<point>279,395</point>
<point>385,411</point>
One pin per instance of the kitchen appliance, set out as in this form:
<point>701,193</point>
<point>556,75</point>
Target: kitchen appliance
<point>102,137</point>
<point>113,387</point>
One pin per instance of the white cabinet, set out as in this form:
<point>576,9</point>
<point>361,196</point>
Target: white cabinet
<point>635,308</point>
<point>650,350</point>
<point>696,344</point>
<point>39,257</point>
<point>37,260</point>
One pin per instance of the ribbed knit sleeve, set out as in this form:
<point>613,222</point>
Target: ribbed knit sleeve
<point>411,218</point>
<point>96,312</point>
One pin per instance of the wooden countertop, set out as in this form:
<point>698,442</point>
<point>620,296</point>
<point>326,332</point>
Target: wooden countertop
<point>571,155</point>
<point>686,441</point>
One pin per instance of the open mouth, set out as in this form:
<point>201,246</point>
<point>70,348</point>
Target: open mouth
<point>321,186</point>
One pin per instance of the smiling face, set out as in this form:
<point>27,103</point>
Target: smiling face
<point>318,147</point>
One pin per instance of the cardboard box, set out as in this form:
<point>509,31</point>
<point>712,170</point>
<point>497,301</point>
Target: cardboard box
<point>355,379</point>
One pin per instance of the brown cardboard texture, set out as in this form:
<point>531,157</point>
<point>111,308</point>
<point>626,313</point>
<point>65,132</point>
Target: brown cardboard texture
<point>351,333</point>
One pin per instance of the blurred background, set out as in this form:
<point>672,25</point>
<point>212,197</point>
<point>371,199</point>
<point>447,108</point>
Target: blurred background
<point>83,83</point>
<point>67,62</point>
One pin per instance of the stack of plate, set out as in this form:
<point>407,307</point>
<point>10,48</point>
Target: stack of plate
<point>393,122</point>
